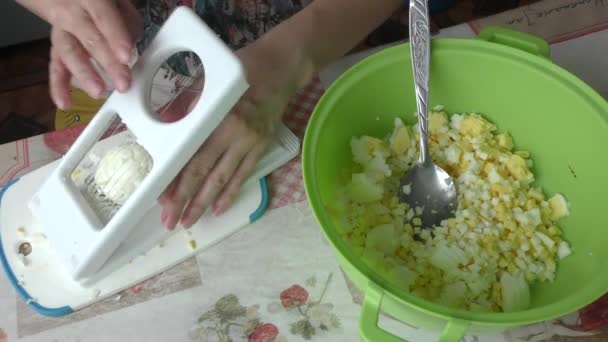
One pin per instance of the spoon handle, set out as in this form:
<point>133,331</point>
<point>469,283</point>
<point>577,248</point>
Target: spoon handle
<point>420,47</point>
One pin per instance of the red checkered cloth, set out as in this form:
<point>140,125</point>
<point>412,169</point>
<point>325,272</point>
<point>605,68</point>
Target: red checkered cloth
<point>286,184</point>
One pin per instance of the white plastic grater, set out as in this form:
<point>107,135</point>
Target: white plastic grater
<point>170,145</point>
<point>76,249</point>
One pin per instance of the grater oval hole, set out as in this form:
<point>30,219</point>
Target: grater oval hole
<point>177,86</point>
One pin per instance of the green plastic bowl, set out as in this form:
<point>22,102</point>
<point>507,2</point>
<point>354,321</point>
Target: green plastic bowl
<point>508,77</point>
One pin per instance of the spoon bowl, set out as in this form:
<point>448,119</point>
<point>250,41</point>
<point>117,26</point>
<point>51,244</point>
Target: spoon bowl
<point>426,187</point>
<point>430,188</point>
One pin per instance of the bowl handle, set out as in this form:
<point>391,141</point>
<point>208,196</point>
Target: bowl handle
<point>368,323</point>
<point>371,332</point>
<point>516,39</point>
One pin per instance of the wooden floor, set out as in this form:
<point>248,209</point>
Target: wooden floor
<point>26,108</point>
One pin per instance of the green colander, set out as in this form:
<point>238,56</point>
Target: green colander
<point>508,77</point>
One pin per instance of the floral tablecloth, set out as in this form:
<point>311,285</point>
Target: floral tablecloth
<point>278,280</point>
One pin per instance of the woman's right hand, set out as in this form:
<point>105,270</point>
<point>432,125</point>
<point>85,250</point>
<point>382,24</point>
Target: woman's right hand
<point>84,30</point>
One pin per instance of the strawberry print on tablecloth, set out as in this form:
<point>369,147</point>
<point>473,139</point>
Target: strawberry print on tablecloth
<point>230,321</point>
<point>313,316</point>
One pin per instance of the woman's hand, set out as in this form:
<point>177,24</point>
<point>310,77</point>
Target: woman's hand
<point>277,65</point>
<point>213,177</point>
<point>86,30</point>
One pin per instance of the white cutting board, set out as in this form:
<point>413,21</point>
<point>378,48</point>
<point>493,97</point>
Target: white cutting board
<point>45,283</point>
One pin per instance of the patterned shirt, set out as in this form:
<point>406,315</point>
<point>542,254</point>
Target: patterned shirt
<point>236,22</point>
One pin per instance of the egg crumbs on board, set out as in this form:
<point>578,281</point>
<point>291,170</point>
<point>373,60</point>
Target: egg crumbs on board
<point>505,233</point>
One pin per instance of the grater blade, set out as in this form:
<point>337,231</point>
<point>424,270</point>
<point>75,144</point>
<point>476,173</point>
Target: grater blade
<point>83,175</point>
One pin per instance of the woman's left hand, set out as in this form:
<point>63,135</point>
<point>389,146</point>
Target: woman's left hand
<point>214,175</point>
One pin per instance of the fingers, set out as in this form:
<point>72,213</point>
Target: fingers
<point>217,179</point>
<point>77,61</point>
<point>166,199</point>
<point>230,191</point>
<point>193,176</point>
<point>97,46</point>
<point>169,192</point>
<point>59,80</point>
<point>112,28</point>
<point>103,31</point>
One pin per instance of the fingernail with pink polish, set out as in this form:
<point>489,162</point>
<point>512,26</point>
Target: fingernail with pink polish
<point>219,209</point>
<point>185,221</point>
<point>94,89</point>
<point>171,226</point>
<point>125,54</point>
<point>163,217</point>
<point>61,104</point>
<point>123,83</point>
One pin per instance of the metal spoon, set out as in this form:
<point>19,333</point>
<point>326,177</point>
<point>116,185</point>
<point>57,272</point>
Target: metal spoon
<point>426,185</point>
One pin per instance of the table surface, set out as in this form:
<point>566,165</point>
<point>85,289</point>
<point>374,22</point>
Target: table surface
<point>283,255</point>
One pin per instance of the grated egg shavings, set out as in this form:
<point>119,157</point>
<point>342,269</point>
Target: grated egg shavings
<point>121,170</point>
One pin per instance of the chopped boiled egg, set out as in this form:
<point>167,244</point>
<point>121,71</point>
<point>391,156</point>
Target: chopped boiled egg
<point>559,207</point>
<point>362,189</point>
<point>517,167</point>
<point>400,141</point>
<point>474,126</point>
<point>504,235</point>
<point>504,141</point>
<point>437,120</point>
